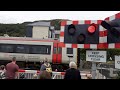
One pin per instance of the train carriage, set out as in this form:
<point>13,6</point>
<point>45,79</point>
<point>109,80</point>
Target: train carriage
<point>32,50</point>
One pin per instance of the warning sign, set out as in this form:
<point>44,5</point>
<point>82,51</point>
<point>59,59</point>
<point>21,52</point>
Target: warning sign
<point>96,56</point>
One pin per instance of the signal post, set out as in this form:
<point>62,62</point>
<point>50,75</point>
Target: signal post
<point>91,34</point>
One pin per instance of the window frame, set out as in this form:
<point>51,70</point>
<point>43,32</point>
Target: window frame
<point>68,49</point>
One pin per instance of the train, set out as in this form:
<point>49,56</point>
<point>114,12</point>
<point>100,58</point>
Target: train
<point>31,52</point>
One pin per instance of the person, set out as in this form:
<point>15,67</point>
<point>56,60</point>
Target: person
<point>2,72</point>
<point>45,75</point>
<point>12,69</point>
<point>46,66</point>
<point>72,72</point>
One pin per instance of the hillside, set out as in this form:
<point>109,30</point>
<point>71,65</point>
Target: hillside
<point>18,30</point>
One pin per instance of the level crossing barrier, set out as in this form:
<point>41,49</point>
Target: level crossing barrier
<point>34,74</point>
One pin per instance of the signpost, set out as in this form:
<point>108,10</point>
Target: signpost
<point>95,56</point>
<point>117,62</point>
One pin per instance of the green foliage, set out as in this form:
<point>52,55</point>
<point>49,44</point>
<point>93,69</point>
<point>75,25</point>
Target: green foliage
<point>112,52</point>
<point>83,54</point>
<point>56,23</point>
<point>15,30</point>
<point>18,30</point>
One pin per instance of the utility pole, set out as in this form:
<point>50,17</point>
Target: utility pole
<point>93,70</point>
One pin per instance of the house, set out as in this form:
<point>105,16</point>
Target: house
<point>39,30</point>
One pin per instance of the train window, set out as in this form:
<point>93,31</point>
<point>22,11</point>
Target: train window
<point>54,50</point>
<point>69,50</point>
<point>41,49</point>
<point>59,50</point>
<point>6,48</point>
<point>57,35</point>
<point>22,49</point>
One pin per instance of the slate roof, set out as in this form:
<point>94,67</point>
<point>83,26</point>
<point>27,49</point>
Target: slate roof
<point>47,24</point>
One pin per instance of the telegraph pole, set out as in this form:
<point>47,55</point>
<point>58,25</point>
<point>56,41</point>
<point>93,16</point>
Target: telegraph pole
<point>93,70</point>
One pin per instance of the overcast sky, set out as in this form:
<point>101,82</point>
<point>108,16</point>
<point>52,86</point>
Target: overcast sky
<point>24,16</point>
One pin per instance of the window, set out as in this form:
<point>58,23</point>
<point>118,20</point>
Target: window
<point>55,50</point>
<point>57,35</point>
<point>41,49</point>
<point>69,50</point>
<point>29,49</point>
<point>59,50</point>
<point>6,48</point>
<point>22,49</point>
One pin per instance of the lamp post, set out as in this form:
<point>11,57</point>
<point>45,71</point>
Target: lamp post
<point>93,70</point>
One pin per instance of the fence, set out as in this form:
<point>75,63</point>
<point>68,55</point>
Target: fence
<point>99,75</point>
<point>58,75</point>
<point>33,74</point>
<point>28,74</point>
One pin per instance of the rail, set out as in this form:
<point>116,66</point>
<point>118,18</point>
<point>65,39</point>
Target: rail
<point>28,74</point>
<point>33,74</point>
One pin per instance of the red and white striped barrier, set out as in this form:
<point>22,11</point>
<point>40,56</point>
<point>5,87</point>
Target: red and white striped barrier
<point>31,74</point>
<point>29,71</point>
<point>113,45</point>
<point>102,34</point>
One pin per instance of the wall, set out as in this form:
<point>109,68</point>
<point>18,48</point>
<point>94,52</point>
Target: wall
<point>40,32</point>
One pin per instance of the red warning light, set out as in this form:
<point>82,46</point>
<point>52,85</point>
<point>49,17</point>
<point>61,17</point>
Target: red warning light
<point>92,28</point>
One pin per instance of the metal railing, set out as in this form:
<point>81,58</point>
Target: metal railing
<point>34,74</point>
<point>58,75</point>
<point>28,74</point>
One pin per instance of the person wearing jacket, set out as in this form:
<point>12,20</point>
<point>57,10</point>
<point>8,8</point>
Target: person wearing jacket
<point>72,73</point>
<point>46,66</point>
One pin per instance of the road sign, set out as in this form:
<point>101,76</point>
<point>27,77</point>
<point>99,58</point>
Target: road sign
<point>96,56</point>
<point>117,62</point>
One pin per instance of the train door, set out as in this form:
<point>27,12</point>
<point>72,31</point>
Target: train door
<point>57,54</point>
<point>54,56</point>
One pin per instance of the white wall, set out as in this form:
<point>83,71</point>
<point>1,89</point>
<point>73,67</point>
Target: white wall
<point>40,32</point>
<point>66,59</point>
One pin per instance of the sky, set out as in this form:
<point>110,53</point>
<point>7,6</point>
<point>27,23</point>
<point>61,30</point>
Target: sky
<point>26,16</point>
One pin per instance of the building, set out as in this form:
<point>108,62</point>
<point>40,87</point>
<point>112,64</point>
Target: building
<point>39,30</point>
<point>56,34</point>
<point>42,30</point>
